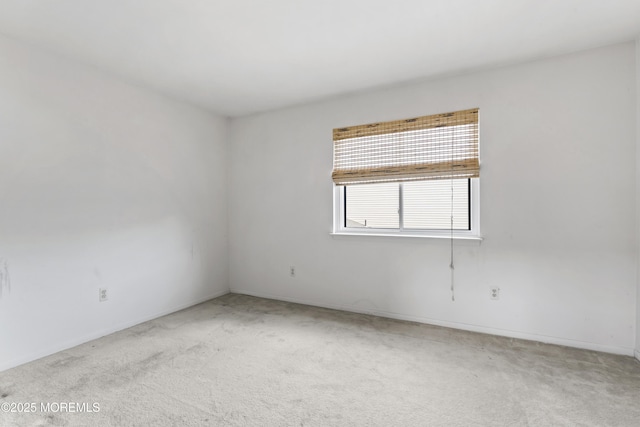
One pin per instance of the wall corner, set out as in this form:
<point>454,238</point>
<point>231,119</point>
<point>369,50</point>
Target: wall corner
<point>637,90</point>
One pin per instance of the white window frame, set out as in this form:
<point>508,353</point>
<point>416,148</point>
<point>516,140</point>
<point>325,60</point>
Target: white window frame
<point>473,234</point>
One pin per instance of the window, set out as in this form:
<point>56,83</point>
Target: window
<point>409,177</point>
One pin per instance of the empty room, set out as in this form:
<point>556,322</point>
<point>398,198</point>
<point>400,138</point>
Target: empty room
<point>337,213</point>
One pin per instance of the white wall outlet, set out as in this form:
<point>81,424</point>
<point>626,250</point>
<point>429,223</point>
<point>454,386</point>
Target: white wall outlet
<point>103,296</point>
<point>292,271</point>
<point>494,292</point>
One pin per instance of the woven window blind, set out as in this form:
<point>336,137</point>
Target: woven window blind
<point>429,147</point>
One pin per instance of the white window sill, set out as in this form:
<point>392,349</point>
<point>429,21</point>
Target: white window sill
<point>403,235</point>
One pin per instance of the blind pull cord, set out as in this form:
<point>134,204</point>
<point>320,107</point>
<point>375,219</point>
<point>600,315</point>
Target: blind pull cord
<point>451,266</point>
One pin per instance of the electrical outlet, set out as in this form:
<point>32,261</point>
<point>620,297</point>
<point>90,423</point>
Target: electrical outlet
<point>292,271</point>
<point>494,292</point>
<point>102,295</point>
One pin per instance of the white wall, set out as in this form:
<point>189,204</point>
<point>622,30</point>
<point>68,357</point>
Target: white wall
<point>557,206</point>
<point>102,184</point>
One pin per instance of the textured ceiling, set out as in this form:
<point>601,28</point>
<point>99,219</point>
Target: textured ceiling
<point>236,57</point>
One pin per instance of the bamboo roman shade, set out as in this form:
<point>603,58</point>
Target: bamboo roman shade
<point>429,147</point>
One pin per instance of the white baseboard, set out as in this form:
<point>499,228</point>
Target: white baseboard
<point>638,355</point>
<point>455,325</point>
<point>103,332</point>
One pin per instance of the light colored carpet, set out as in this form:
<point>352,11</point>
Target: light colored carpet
<point>245,361</point>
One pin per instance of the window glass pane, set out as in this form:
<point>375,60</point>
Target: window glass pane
<point>427,204</point>
<point>372,205</point>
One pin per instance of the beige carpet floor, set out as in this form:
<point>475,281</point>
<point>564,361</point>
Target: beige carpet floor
<point>245,361</point>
